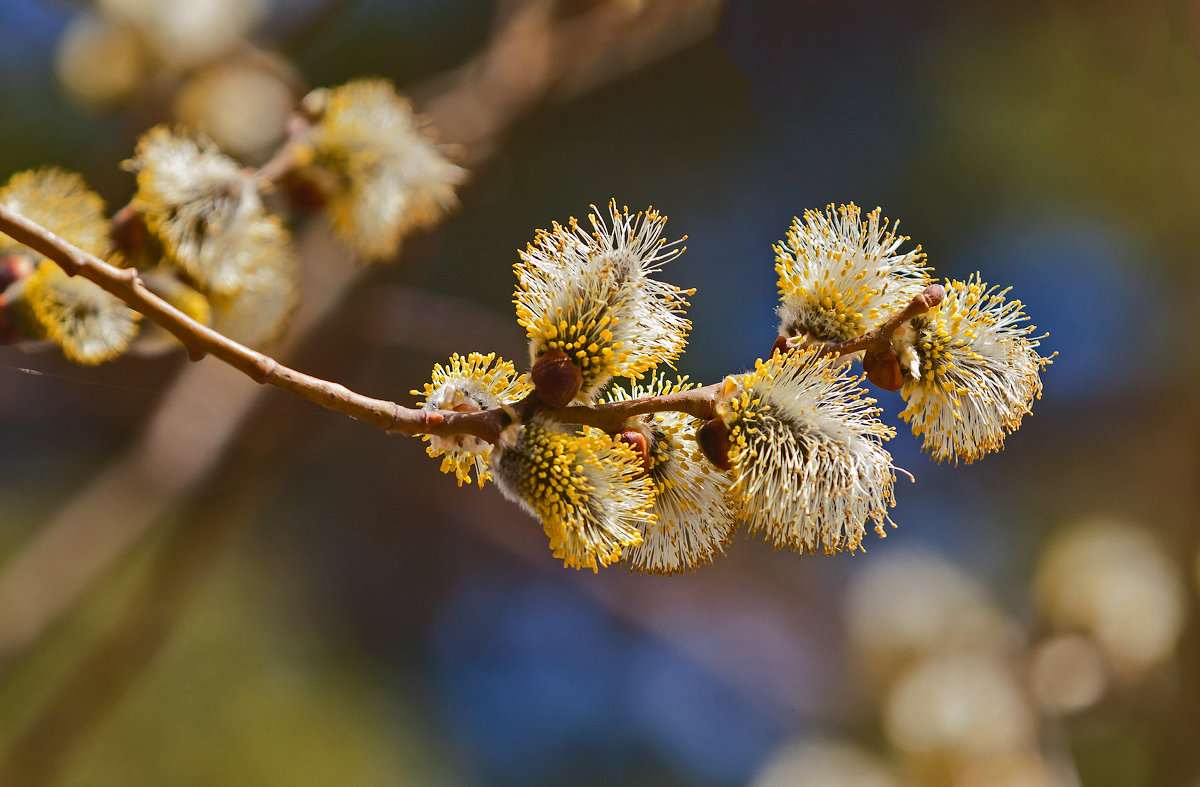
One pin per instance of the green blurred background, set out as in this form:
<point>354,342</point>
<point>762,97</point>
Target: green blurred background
<point>324,607</point>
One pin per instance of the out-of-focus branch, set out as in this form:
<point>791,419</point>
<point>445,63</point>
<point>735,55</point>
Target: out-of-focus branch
<point>542,58</point>
<point>83,701</point>
<point>621,36</point>
<point>184,440</point>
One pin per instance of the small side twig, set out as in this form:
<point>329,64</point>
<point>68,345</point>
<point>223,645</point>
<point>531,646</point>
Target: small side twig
<point>283,161</point>
<point>879,338</point>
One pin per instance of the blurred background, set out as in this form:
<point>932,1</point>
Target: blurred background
<point>206,583</point>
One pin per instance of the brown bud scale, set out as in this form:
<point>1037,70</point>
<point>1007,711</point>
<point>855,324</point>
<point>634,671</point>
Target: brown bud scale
<point>304,192</point>
<point>713,437</point>
<point>883,369</point>
<point>555,378</point>
<point>13,268</point>
<point>637,440</point>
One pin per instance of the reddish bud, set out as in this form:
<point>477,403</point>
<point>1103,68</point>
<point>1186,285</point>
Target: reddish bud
<point>713,437</point>
<point>13,268</point>
<point>128,230</point>
<point>313,106</point>
<point>883,369</point>
<point>556,378</point>
<point>639,443</point>
<point>304,193</point>
<point>780,346</point>
<point>933,295</point>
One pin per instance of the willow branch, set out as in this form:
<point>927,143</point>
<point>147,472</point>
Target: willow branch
<point>200,340</point>
<point>283,161</point>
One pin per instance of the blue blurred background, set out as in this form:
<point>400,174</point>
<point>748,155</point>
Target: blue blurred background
<point>367,622</point>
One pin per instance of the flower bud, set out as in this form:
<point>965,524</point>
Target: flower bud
<point>840,271</point>
<point>883,369</point>
<point>381,174</point>
<point>556,378</point>
<point>14,267</point>
<point>713,438</point>
<point>306,191</point>
<point>805,452</point>
<point>586,488</point>
<point>636,440</point>
<point>594,297</point>
<point>207,213</point>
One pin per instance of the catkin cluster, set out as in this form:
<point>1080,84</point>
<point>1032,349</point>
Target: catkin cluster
<point>793,450</point>
<point>202,234</point>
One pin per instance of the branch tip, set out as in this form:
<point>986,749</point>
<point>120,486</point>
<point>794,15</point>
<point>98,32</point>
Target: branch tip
<point>932,295</point>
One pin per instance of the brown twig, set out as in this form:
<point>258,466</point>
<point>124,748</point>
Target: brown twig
<point>610,416</point>
<point>200,340</point>
<point>879,338</point>
<point>283,161</point>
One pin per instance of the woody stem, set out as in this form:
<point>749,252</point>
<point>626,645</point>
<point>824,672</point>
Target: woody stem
<point>879,338</point>
<point>201,340</point>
